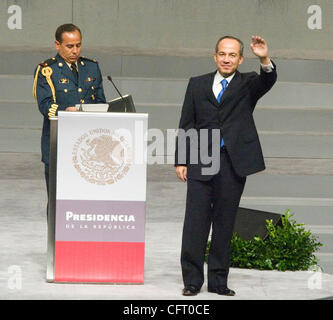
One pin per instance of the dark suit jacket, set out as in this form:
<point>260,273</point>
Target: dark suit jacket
<point>232,118</point>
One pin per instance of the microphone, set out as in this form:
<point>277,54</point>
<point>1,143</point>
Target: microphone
<point>122,98</point>
<point>110,79</point>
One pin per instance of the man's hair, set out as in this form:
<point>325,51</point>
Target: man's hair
<point>67,27</point>
<point>231,37</point>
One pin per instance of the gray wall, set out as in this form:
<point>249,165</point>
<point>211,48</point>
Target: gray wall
<point>173,27</point>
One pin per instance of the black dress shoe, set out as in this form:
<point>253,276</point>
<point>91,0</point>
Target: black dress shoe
<point>190,291</point>
<point>225,291</point>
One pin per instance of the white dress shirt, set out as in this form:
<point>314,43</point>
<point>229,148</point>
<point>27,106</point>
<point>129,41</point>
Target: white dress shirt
<point>70,65</point>
<point>217,85</point>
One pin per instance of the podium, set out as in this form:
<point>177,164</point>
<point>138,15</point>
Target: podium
<point>97,198</point>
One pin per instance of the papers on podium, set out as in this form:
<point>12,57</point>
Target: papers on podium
<point>121,104</point>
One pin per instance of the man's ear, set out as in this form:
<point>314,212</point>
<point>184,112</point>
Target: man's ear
<point>57,44</point>
<point>241,59</point>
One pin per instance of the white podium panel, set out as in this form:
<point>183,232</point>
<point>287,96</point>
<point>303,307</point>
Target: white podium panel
<point>100,197</point>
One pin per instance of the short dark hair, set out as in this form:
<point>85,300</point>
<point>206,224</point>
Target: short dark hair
<point>67,27</point>
<point>231,37</point>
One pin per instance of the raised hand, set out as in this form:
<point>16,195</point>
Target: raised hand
<point>260,49</point>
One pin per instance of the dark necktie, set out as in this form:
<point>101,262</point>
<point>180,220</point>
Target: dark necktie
<point>224,83</point>
<point>74,70</point>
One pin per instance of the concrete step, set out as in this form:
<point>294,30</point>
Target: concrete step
<point>20,140</point>
<point>305,122</point>
<point>297,146</point>
<point>274,145</point>
<point>286,146</point>
<point>159,91</point>
<point>302,213</point>
<point>268,120</point>
<point>20,115</point>
<point>293,95</point>
<point>271,120</point>
<point>127,63</point>
<point>292,121</point>
<point>290,187</point>
<point>310,198</point>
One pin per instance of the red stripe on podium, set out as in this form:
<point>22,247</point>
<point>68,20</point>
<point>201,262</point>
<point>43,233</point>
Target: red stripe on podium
<point>114,262</point>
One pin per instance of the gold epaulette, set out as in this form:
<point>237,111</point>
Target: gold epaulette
<point>42,66</point>
<point>46,72</point>
<point>91,60</point>
<point>48,62</point>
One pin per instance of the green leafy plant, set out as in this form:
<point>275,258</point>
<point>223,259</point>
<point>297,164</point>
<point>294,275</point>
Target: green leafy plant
<point>287,247</point>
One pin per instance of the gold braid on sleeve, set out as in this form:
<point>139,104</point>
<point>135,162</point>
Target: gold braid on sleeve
<point>47,72</point>
<point>34,88</point>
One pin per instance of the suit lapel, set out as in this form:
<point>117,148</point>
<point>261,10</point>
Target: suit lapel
<point>232,87</point>
<point>230,96</point>
<point>208,89</point>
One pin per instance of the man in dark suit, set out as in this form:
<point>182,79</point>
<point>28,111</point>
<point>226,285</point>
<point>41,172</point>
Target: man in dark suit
<point>217,123</point>
<point>64,81</point>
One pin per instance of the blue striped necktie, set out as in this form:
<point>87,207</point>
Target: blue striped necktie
<point>224,83</point>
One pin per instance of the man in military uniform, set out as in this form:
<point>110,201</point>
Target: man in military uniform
<point>64,81</point>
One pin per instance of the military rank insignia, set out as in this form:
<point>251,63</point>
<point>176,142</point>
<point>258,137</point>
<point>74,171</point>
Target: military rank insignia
<point>90,79</point>
<point>64,80</point>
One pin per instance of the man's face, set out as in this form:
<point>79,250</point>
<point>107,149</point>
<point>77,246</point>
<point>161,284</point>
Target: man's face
<point>70,47</point>
<point>227,57</point>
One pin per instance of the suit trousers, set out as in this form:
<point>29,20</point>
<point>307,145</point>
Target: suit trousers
<point>211,203</point>
<point>46,174</point>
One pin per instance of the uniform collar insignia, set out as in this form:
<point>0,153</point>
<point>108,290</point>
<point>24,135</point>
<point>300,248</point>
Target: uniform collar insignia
<point>89,79</point>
